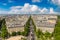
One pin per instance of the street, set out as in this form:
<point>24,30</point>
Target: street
<point>31,34</point>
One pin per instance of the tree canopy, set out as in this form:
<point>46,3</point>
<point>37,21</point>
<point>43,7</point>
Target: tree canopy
<point>4,32</point>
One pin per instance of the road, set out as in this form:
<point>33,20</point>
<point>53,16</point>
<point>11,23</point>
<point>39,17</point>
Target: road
<point>0,38</point>
<point>31,34</point>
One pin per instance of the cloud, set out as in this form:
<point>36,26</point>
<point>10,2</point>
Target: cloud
<point>57,2</point>
<point>16,7</point>
<point>20,9</point>
<point>36,0</point>
<point>51,10</point>
<point>44,10</point>
<point>3,12</point>
<point>28,9</point>
<point>34,8</point>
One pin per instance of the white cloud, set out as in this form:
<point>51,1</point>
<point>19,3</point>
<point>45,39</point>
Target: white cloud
<point>34,8</point>
<point>3,12</point>
<point>28,9</point>
<point>57,2</point>
<point>36,0</point>
<point>16,7</point>
<point>27,5</point>
<point>51,10</point>
<point>44,10</point>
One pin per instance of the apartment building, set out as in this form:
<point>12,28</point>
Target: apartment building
<point>16,23</point>
<point>43,22</point>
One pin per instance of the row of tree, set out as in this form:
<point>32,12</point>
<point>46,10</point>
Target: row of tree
<point>3,30</point>
<point>57,30</point>
<point>54,36</point>
<point>4,33</point>
<point>43,36</point>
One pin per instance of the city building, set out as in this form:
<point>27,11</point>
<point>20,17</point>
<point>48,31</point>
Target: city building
<point>16,23</point>
<point>43,22</point>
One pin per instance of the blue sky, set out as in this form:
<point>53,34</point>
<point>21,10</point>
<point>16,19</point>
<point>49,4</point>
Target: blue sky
<point>43,6</point>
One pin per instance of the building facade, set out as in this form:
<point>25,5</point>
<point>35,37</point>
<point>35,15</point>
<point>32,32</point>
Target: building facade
<point>43,22</point>
<point>16,23</point>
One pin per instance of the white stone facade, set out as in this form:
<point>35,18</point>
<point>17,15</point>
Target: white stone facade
<point>45,22</point>
<point>16,23</point>
<point>42,22</point>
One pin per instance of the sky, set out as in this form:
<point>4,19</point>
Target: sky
<point>29,6</point>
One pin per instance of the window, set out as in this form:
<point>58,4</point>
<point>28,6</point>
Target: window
<point>51,18</point>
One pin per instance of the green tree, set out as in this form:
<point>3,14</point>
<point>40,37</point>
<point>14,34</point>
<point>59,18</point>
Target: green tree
<point>27,27</point>
<point>18,33</point>
<point>34,25</point>
<point>13,33</point>
<point>4,32</point>
<point>47,35</point>
<point>57,30</point>
<point>38,33</point>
